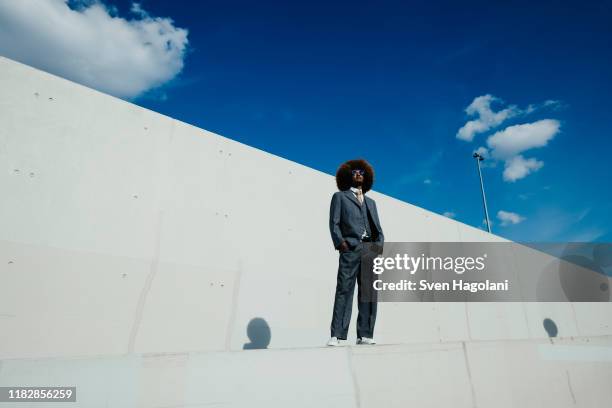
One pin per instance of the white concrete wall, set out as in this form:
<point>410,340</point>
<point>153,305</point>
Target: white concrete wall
<point>134,246</point>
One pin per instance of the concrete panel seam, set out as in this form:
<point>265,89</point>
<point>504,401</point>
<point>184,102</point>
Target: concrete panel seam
<point>569,385</point>
<point>469,373</point>
<point>516,268</point>
<point>467,321</point>
<point>357,393</point>
<point>142,299</point>
<point>578,334</point>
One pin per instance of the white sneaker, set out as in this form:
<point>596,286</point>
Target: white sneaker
<point>333,342</point>
<point>366,340</point>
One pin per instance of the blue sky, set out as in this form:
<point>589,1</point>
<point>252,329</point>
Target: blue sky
<point>322,82</point>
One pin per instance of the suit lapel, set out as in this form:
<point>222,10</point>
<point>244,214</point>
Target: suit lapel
<point>352,197</point>
<point>371,209</point>
<point>366,202</point>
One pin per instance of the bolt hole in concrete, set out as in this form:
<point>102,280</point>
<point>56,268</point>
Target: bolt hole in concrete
<point>259,334</point>
<point>550,327</point>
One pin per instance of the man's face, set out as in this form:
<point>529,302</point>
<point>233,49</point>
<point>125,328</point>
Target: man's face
<point>358,177</point>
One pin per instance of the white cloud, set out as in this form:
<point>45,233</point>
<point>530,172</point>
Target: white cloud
<point>138,10</point>
<point>518,167</point>
<point>518,138</point>
<point>92,46</point>
<point>588,235</point>
<point>507,218</point>
<point>580,216</point>
<point>487,118</point>
<point>508,144</point>
<point>553,224</point>
<point>550,104</point>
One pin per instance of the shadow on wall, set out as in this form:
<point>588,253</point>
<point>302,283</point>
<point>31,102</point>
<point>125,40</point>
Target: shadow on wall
<point>550,327</point>
<point>259,334</point>
<point>582,277</point>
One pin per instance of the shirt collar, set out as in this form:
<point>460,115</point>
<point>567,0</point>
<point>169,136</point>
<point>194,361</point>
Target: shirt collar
<point>355,190</point>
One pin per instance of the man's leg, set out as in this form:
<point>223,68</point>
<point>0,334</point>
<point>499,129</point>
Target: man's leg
<point>348,269</point>
<point>367,299</point>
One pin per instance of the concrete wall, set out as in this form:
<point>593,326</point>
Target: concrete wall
<point>135,249</point>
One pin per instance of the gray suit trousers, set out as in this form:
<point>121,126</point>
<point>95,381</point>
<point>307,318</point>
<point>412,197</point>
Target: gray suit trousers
<point>349,272</point>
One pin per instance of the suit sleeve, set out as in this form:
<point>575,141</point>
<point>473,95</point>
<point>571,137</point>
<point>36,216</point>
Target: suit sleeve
<point>381,238</point>
<point>334,220</point>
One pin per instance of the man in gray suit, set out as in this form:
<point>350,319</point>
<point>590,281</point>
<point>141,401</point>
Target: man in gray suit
<point>353,220</point>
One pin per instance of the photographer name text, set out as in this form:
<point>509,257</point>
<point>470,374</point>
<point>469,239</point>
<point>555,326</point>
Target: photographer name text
<point>455,285</point>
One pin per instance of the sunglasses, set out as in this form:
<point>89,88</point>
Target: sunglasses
<point>360,172</point>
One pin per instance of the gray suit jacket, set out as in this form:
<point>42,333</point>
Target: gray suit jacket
<point>345,216</point>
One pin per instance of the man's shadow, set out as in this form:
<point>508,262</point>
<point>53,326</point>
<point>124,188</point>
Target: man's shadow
<point>259,334</point>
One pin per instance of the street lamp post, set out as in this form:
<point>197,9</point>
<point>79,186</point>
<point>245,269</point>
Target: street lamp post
<point>479,158</point>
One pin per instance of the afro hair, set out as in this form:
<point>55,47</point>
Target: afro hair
<point>344,175</point>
